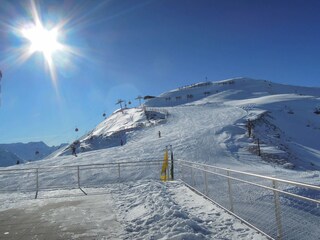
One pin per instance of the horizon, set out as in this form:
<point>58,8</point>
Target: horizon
<point>116,109</point>
<point>121,49</point>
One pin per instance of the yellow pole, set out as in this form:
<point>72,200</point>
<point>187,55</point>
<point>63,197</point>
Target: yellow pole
<point>163,175</point>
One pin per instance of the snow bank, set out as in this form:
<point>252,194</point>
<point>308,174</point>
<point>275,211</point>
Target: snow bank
<point>156,210</point>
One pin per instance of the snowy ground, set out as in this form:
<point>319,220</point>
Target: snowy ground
<point>208,129</point>
<point>148,210</point>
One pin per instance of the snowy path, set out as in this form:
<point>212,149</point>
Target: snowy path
<point>135,210</point>
<point>156,210</point>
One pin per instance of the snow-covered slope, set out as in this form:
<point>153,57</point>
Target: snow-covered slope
<point>236,88</point>
<point>206,122</point>
<point>115,130</point>
<point>286,118</point>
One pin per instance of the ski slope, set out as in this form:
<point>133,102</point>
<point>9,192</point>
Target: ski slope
<point>205,123</point>
<point>210,127</point>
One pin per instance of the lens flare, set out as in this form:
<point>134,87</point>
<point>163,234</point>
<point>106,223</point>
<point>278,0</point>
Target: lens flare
<point>39,37</point>
<point>42,40</point>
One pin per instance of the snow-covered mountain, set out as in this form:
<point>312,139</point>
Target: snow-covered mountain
<point>230,89</point>
<point>115,130</point>
<point>205,122</point>
<point>201,119</point>
<point>28,151</point>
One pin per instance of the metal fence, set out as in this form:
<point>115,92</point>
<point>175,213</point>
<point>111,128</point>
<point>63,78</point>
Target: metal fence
<point>76,176</point>
<point>279,209</point>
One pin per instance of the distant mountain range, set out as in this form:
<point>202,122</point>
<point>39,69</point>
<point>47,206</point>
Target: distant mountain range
<point>23,152</point>
<point>8,158</point>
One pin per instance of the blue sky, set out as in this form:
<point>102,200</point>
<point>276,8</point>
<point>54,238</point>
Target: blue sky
<point>128,48</point>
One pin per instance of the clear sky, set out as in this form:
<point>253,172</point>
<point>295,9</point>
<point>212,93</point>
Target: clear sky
<point>119,49</point>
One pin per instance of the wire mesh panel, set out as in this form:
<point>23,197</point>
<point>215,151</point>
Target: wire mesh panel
<point>17,181</point>
<point>90,176</point>
<point>298,212</point>
<point>218,190</point>
<point>255,205</point>
<point>187,174</point>
<point>75,176</point>
<point>57,178</point>
<point>280,208</point>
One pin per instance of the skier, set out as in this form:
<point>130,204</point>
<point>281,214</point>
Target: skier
<point>159,133</point>
<point>249,126</point>
<point>121,142</point>
<point>73,149</point>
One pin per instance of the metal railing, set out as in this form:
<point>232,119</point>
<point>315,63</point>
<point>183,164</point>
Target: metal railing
<point>279,209</point>
<point>76,176</point>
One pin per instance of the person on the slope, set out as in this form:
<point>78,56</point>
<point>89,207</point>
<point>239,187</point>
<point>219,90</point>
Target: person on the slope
<point>73,149</point>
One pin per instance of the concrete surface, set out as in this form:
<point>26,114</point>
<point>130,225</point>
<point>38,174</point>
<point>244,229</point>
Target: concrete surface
<point>81,217</point>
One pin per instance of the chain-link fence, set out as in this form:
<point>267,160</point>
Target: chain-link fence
<point>278,208</point>
<point>77,176</point>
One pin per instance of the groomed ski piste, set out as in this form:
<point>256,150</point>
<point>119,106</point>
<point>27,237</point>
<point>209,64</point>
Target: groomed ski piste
<point>204,123</point>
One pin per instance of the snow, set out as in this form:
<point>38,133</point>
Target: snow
<point>147,210</point>
<point>173,211</point>
<point>208,128</point>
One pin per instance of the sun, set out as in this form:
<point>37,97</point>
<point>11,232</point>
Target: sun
<point>40,34</point>
<point>42,40</point>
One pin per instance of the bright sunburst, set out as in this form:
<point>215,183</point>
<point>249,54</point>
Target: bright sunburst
<point>42,40</point>
<point>45,40</point>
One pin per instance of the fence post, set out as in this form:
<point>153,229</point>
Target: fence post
<point>172,175</point>
<point>37,182</point>
<point>230,192</point>
<point>78,170</point>
<point>206,182</point>
<point>193,180</point>
<point>182,174</point>
<point>119,173</point>
<point>259,150</point>
<point>277,210</point>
